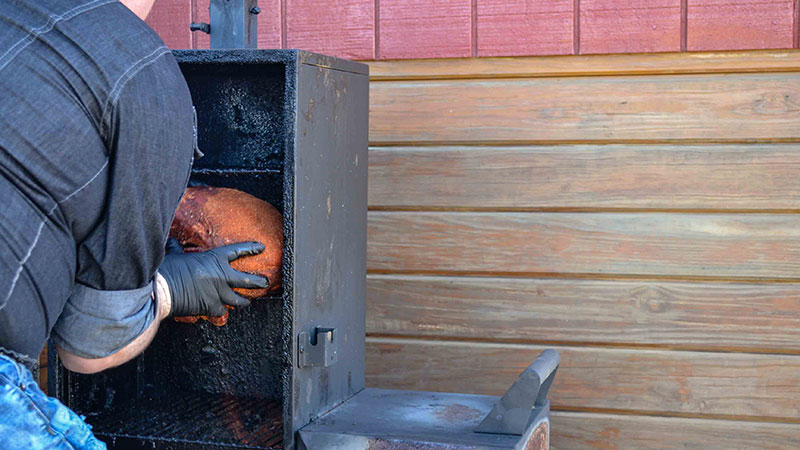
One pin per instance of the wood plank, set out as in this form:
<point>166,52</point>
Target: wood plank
<point>522,27</point>
<point>341,28</point>
<point>739,24</point>
<point>756,176</point>
<point>425,29</point>
<point>575,431</point>
<point>598,109</point>
<point>688,245</point>
<point>588,65</point>
<point>620,26</point>
<point>701,316</point>
<point>653,381</point>
<point>170,19</point>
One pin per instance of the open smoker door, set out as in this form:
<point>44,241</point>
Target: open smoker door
<point>393,419</point>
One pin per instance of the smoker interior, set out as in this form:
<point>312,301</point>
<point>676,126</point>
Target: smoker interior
<point>197,385</point>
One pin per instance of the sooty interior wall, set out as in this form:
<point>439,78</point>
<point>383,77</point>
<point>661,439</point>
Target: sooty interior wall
<point>241,132</point>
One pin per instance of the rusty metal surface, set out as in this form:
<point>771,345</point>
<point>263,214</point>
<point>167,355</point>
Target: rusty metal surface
<point>389,419</point>
<point>539,438</point>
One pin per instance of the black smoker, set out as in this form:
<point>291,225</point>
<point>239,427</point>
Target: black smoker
<point>290,127</point>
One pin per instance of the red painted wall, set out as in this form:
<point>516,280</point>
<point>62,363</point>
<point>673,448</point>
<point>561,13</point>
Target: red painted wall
<point>400,29</point>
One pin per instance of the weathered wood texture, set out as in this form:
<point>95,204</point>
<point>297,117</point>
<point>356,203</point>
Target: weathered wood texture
<point>524,27</point>
<point>569,66</point>
<point>637,26</point>
<point>704,316</point>
<point>571,431</point>
<point>739,24</point>
<point>683,382</point>
<point>343,28</point>
<point>706,177</point>
<point>596,109</point>
<point>641,213</point>
<point>688,245</point>
<point>425,29</point>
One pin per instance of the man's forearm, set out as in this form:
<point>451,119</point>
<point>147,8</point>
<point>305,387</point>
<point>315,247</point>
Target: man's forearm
<point>86,365</point>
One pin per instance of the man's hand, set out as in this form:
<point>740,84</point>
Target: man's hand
<point>201,284</point>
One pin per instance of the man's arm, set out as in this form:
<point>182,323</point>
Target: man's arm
<point>187,284</point>
<point>79,364</point>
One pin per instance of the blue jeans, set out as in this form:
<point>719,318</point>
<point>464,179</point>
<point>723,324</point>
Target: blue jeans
<point>30,420</point>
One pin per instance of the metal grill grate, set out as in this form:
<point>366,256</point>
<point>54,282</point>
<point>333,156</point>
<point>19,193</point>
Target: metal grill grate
<point>198,419</point>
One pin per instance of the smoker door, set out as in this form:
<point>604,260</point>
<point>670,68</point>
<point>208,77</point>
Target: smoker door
<point>330,223</point>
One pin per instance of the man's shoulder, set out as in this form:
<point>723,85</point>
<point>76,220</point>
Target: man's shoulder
<point>102,39</point>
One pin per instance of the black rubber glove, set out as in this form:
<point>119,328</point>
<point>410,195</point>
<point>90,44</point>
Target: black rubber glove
<point>201,284</point>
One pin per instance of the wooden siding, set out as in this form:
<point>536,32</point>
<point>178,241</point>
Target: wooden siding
<point>585,66</point>
<point>608,431</point>
<point>343,28</point>
<point>523,27</point>
<point>739,24</point>
<point>642,313</point>
<point>639,213</point>
<point>171,19</point>
<point>678,382</point>
<point>372,29</point>
<point>704,177</point>
<point>425,28</point>
<point>717,107</point>
<point>614,26</point>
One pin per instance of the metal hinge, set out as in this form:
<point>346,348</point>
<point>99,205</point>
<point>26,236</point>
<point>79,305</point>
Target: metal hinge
<point>321,352</point>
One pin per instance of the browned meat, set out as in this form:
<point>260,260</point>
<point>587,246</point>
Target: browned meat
<point>210,217</point>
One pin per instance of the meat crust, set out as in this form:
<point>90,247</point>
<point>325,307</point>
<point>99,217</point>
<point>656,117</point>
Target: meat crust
<point>210,217</point>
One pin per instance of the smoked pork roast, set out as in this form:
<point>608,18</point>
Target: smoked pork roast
<point>210,217</point>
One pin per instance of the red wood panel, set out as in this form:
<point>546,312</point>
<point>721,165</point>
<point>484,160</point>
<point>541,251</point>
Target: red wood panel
<point>630,26</point>
<point>739,24</point>
<point>269,24</point>
<point>171,19</point>
<point>343,28</point>
<point>525,27</point>
<point>425,29</point>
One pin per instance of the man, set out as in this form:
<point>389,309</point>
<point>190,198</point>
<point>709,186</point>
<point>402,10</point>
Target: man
<point>96,143</point>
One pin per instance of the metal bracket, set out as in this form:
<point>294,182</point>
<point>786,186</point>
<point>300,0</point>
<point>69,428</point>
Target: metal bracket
<point>513,413</point>
<point>201,26</point>
<point>321,352</point>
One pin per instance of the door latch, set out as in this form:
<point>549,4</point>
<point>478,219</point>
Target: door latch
<point>319,350</point>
